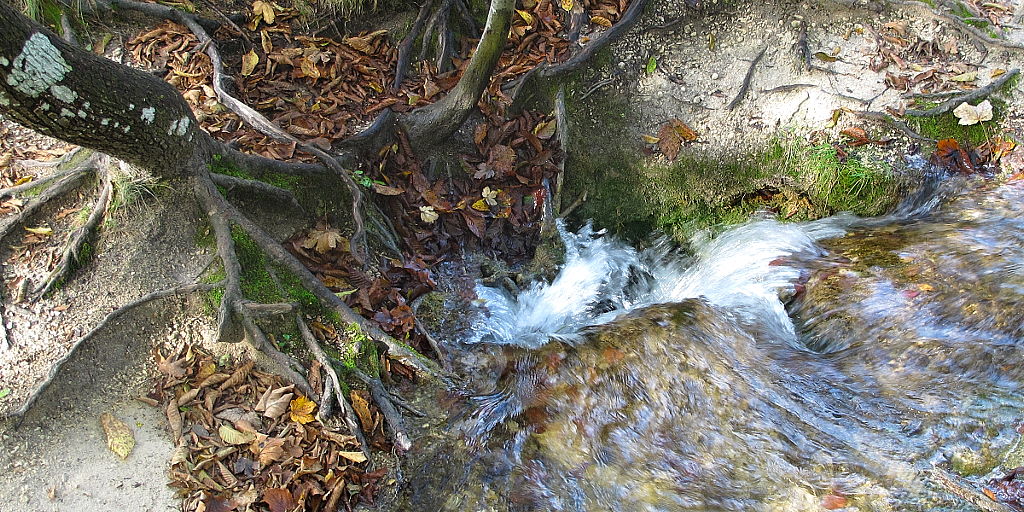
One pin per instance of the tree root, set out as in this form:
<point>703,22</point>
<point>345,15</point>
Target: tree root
<point>405,49</point>
<point>63,185</point>
<point>273,250</point>
<point>113,315</point>
<point>961,25</point>
<point>969,96</point>
<point>896,123</point>
<point>278,195</point>
<point>78,239</point>
<point>257,120</point>
<point>745,86</point>
<point>394,423</point>
<point>335,384</point>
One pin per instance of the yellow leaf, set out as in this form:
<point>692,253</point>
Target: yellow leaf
<point>925,287</point>
<point>232,436</point>
<point>376,87</point>
<point>545,130</point>
<point>249,62</point>
<point>527,17</point>
<point>268,13</point>
<point>650,139</point>
<point>969,76</point>
<point>481,205</point>
<point>302,410</point>
<point>268,46</point>
<point>356,457</point>
<point>566,4</point>
<point>23,180</point>
<point>120,439</point>
<point>309,69</point>
<point>323,240</point>
<point>600,20</point>
<point>41,230</point>
<point>997,72</point>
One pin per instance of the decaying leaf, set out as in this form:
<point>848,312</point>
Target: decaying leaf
<point>274,402</point>
<point>232,436</point>
<point>969,76</point>
<point>362,408</point>
<point>40,230</point>
<point>364,43</point>
<point>323,240</point>
<point>302,410</point>
<point>672,135</point>
<point>545,129</point>
<point>356,457</point>
<point>601,21</point>
<point>566,4</point>
<point>527,17</point>
<point>427,214</point>
<point>120,439</point>
<point>279,500</point>
<point>973,114</point>
<point>249,62</point>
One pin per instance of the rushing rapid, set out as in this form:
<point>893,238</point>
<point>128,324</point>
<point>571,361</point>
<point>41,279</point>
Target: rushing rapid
<point>842,363</point>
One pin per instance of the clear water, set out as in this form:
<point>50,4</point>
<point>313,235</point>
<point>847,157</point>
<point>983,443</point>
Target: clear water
<point>778,367</point>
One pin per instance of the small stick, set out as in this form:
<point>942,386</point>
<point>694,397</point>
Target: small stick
<point>966,493</point>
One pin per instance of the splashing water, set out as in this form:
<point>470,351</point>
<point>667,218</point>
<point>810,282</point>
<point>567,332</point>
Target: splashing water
<point>780,367</point>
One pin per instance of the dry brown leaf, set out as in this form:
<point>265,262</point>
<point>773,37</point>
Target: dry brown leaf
<point>237,377</point>
<point>546,129</point>
<point>323,240</point>
<point>274,402</point>
<point>364,43</point>
<point>174,419</point>
<point>356,457</point>
<point>249,62</point>
<point>601,21</point>
<point>234,437</point>
<point>362,408</point>
<point>279,500</point>
<point>268,449</point>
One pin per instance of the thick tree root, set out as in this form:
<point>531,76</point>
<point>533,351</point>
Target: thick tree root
<point>969,96</point>
<point>393,421</point>
<point>77,239</point>
<point>334,385</point>
<point>63,185</point>
<point>961,25</point>
<point>279,197</point>
<point>112,316</point>
<point>405,49</point>
<point>206,188</point>
<point>257,120</point>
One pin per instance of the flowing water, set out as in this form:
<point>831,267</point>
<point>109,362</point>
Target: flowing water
<point>777,367</point>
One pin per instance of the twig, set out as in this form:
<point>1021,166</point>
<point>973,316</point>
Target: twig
<point>288,366</point>
<point>963,26</point>
<point>318,353</point>
<point>973,95</point>
<point>562,128</point>
<point>745,86</point>
<point>78,238</point>
<point>113,315</point>
<point>572,207</point>
<point>966,493</point>
<point>594,88</point>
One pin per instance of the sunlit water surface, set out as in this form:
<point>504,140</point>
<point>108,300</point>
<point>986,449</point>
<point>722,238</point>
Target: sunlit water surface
<point>778,367</point>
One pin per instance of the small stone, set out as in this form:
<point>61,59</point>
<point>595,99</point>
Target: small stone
<point>714,76</point>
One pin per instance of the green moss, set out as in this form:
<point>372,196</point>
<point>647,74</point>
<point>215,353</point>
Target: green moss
<point>220,165</point>
<point>947,126</point>
<point>633,197</point>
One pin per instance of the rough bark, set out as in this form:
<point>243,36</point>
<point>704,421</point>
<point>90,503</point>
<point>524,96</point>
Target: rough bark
<point>73,95</point>
<point>439,120</point>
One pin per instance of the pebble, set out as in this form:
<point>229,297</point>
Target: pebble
<point>714,76</point>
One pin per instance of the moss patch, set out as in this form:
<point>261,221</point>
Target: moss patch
<point>798,181</point>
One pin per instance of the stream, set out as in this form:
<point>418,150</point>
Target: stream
<point>778,367</point>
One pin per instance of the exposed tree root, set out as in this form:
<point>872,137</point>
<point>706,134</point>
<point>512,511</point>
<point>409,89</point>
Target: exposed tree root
<point>745,86</point>
<point>961,25</point>
<point>78,238</point>
<point>405,49</point>
<point>334,385</point>
<point>896,123</point>
<point>257,120</point>
<point>229,327</point>
<point>393,421</point>
<point>113,315</point>
<point>969,96</point>
<point>288,366</point>
<point>278,196</point>
<point>63,185</point>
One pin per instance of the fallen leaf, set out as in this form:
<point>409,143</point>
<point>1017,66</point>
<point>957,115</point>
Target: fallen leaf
<point>120,439</point>
<point>427,214</point>
<point>323,240</point>
<point>274,402</point>
<point>601,21</point>
<point>232,436</point>
<point>651,66</point>
<point>833,501</point>
<point>546,129</point>
<point>249,62</point>
<point>302,410</point>
<point>430,89</point>
<point>385,190</point>
<point>973,114</point>
<point>41,230</point>
<point>268,449</point>
<point>822,56</point>
<point>650,139</point>
<point>356,457</point>
<point>969,76</point>
<point>566,4</point>
<point>279,500</point>
<point>362,408</point>
<point>527,17</point>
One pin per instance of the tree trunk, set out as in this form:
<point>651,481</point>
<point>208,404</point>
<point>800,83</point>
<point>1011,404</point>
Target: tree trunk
<point>73,95</point>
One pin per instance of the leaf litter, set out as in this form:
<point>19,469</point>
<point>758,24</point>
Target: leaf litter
<point>246,440</point>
